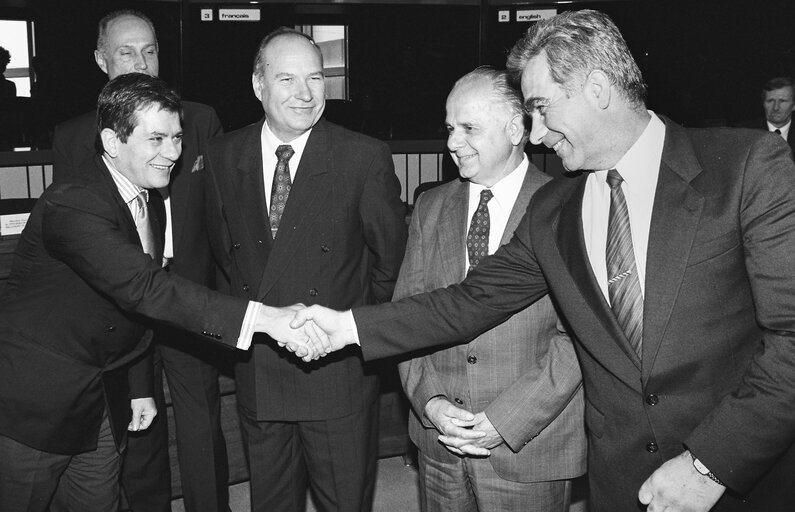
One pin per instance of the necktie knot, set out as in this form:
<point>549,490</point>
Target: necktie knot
<point>485,196</point>
<point>614,179</point>
<point>777,131</point>
<point>284,152</point>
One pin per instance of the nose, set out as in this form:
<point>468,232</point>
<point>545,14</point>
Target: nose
<point>304,93</point>
<point>172,149</point>
<point>140,62</point>
<point>453,141</point>
<point>538,129</point>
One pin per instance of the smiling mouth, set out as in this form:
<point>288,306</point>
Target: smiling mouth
<point>163,168</point>
<point>466,157</point>
<point>557,145</point>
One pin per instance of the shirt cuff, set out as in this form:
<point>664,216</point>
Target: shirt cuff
<point>352,326</point>
<point>249,322</point>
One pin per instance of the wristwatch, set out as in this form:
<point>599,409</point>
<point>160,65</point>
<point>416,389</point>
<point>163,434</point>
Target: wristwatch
<point>701,468</point>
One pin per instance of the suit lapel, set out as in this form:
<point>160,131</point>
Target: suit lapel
<point>451,232</point>
<point>309,185</point>
<point>520,206</point>
<point>675,218</point>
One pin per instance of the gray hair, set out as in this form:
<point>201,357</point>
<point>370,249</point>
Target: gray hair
<point>576,43</point>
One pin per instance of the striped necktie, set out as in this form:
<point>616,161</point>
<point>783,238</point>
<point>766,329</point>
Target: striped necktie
<point>623,284</point>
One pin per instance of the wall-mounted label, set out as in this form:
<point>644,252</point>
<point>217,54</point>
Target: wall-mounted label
<point>207,15</point>
<point>503,16</point>
<point>535,14</point>
<point>238,14</point>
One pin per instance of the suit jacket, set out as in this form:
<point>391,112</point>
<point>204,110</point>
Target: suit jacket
<point>718,371</point>
<point>340,243</point>
<point>761,123</point>
<point>74,313</point>
<point>73,143</point>
<point>523,373</point>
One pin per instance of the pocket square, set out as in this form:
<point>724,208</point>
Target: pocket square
<point>198,165</point>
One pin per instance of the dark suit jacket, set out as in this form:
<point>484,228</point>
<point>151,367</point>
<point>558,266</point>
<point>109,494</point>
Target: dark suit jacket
<point>761,124</point>
<point>718,372</point>
<point>74,310</point>
<point>523,373</point>
<point>340,244</point>
<point>74,142</point>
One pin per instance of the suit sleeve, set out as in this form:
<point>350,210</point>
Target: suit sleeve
<point>418,375</point>
<point>531,403</point>
<point>383,217</point>
<point>82,229</point>
<point>755,424</point>
<point>141,374</point>
<point>503,284</point>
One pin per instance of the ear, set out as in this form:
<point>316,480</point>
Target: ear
<point>516,129</point>
<point>598,88</point>
<point>99,58</point>
<point>257,86</point>
<point>110,142</point>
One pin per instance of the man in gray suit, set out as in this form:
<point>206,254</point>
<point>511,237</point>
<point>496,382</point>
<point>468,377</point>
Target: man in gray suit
<point>517,386</point>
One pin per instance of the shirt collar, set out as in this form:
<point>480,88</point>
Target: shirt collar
<point>644,156</point>
<point>782,129</point>
<point>507,189</point>
<point>127,189</point>
<point>270,141</point>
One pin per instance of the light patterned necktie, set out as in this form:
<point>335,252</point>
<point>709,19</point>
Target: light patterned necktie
<point>478,235</point>
<point>145,226</point>
<point>281,186</point>
<point>623,283</point>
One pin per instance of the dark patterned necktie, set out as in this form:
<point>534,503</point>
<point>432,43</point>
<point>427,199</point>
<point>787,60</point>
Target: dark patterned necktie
<point>478,235</point>
<point>146,225</point>
<point>281,186</point>
<point>623,284</point>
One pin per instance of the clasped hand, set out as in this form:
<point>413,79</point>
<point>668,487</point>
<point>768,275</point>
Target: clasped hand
<point>309,332</point>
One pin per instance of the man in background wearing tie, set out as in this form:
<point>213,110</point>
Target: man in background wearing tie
<point>86,280</point>
<point>126,43</point>
<point>520,382</point>
<point>669,254</point>
<point>778,100</point>
<point>305,211</point>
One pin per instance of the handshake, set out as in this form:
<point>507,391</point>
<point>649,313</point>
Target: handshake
<point>309,332</point>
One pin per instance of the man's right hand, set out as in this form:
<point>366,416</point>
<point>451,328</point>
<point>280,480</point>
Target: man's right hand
<point>455,425</point>
<point>332,330</point>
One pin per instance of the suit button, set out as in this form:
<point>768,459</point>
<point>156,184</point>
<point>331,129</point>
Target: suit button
<point>652,447</point>
<point>217,336</point>
<point>459,401</point>
<point>313,292</point>
<point>111,328</point>
<point>259,242</point>
<point>325,248</point>
<point>245,287</point>
<point>236,245</point>
<point>652,399</point>
<point>472,359</point>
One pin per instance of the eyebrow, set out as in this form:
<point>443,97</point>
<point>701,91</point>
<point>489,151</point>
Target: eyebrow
<point>533,103</point>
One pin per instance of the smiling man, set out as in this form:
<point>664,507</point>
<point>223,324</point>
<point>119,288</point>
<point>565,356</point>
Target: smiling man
<point>86,279</point>
<point>126,43</point>
<point>305,211</point>
<point>669,253</point>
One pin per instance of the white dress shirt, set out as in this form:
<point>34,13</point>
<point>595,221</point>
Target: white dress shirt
<point>784,129</point>
<point>269,159</point>
<point>640,168</point>
<point>505,193</point>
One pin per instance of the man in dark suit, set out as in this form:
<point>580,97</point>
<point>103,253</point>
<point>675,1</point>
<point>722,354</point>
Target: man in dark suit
<point>305,211</point>
<point>670,256</point>
<point>126,43</point>
<point>778,102</point>
<point>519,382</point>
<point>86,278</point>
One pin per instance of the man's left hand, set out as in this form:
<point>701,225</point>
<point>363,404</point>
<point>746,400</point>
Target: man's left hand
<point>144,411</point>
<point>676,486</point>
